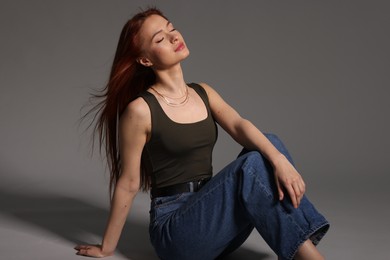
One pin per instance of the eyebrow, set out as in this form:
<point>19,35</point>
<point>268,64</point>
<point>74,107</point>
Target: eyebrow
<point>160,30</point>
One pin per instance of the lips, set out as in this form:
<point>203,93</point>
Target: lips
<point>180,47</point>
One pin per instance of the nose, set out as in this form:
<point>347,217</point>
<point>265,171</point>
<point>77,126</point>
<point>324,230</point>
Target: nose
<point>174,38</point>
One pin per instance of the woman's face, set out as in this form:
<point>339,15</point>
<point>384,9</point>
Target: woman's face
<point>163,46</point>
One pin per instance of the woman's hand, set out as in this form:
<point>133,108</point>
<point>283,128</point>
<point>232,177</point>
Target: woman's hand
<point>91,251</point>
<point>289,179</point>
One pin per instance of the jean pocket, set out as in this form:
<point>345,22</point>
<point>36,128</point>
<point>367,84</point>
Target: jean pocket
<point>161,207</point>
<point>165,201</point>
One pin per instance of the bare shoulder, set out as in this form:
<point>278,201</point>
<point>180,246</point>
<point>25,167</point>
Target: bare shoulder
<point>211,92</point>
<point>206,87</point>
<point>221,110</point>
<point>136,112</point>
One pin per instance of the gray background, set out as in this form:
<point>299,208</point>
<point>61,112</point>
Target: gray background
<point>314,72</point>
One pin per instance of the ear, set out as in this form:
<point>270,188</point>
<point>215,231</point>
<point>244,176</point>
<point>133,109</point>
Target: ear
<point>144,61</point>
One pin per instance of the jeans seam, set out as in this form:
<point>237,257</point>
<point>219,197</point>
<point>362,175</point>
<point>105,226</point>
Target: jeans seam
<point>252,171</point>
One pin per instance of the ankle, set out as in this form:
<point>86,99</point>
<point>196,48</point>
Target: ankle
<point>308,251</point>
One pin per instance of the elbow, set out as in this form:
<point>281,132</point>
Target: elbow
<point>134,187</point>
<point>131,186</point>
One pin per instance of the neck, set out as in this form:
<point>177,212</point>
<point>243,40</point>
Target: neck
<point>171,80</point>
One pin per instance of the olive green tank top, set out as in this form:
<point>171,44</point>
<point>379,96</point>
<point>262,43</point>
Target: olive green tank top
<point>178,152</point>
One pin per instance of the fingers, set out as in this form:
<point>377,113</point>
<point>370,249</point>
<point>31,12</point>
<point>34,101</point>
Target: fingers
<point>294,185</point>
<point>298,194</point>
<point>280,190</point>
<point>78,247</point>
<point>88,250</point>
<point>292,195</point>
<point>289,181</point>
<point>82,249</point>
<point>296,190</point>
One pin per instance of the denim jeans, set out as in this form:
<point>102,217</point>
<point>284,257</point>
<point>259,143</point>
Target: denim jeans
<point>217,219</point>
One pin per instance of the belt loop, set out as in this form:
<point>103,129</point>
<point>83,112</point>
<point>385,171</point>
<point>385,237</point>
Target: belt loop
<point>199,183</point>
<point>191,187</point>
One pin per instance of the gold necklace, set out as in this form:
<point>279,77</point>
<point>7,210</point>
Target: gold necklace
<point>172,104</point>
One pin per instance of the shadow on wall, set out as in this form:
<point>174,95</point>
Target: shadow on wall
<point>72,219</point>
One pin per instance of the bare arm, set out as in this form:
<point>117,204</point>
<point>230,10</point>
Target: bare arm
<point>246,134</point>
<point>134,128</point>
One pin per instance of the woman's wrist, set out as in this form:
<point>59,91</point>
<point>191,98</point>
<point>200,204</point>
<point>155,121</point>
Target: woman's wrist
<point>276,159</point>
<point>106,250</point>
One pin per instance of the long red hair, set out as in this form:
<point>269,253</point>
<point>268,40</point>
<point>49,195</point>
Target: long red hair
<point>127,80</point>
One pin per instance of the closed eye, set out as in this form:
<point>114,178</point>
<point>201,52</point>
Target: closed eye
<point>172,30</point>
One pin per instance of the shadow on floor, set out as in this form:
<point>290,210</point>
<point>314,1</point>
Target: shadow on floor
<point>76,220</point>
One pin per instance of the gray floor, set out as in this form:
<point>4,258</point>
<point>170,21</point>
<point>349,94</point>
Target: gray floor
<point>47,225</point>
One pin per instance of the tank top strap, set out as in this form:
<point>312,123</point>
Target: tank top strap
<point>202,93</point>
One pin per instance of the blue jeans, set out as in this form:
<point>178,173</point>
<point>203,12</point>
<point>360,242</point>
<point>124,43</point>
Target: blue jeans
<point>217,219</point>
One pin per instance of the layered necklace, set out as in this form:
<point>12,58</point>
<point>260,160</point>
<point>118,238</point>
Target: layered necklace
<point>167,100</point>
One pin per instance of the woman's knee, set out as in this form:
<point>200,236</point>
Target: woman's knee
<point>253,157</point>
<point>255,164</point>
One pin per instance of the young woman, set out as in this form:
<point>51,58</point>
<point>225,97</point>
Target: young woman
<point>164,141</point>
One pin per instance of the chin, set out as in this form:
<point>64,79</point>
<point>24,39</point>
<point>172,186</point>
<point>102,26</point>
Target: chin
<point>186,54</point>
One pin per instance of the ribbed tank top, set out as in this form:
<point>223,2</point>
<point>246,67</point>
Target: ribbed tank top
<point>178,152</point>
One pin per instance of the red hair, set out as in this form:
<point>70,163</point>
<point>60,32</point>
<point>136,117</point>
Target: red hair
<point>127,80</point>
